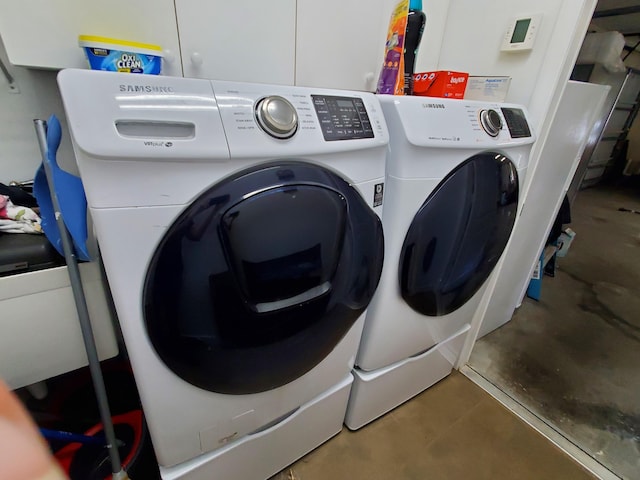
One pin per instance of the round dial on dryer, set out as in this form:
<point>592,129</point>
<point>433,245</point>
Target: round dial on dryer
<point>491,122</point>
<point>277,116</point>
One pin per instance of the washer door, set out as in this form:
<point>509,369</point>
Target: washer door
<point>458,234</point>
<point>261,277</point>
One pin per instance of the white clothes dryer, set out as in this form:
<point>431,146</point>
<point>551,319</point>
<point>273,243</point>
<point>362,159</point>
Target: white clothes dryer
<point>453,175</point>
<point>239,227</point>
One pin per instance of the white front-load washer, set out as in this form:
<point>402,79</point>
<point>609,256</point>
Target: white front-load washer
<point>239,227</point>
<point>451,199</point>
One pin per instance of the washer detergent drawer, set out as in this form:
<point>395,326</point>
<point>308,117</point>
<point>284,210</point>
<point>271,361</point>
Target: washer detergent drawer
<point>40,334</point>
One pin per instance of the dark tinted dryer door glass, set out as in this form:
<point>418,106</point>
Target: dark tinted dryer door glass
<point>458,234</point>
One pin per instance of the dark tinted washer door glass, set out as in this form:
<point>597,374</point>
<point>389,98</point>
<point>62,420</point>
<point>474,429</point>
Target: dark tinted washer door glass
<point>258,280</point>
<point>458,234</point>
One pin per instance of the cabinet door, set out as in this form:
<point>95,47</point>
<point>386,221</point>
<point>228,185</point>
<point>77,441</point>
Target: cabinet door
<point>340,43</point>
<point>251,41</point>
<point>44,34</point>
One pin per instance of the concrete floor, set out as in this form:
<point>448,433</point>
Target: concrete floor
<point>573,358</point>
<point>453,430</point>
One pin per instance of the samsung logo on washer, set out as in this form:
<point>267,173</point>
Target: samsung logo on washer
<point>145,89</point>
<point>433,105</point>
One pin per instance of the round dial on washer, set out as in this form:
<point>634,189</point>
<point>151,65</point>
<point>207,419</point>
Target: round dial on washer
<point>491,122</point>
<point>277,116</point>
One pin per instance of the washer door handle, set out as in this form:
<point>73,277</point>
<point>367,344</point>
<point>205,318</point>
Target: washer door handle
<point>303,297</point>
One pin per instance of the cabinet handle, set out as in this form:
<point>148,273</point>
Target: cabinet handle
<point>169,57</point>
<point>369,77</point>
<point>13,88</point>
<point>196,59</point>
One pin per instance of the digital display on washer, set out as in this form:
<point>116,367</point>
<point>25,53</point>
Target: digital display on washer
<point>342,118</point>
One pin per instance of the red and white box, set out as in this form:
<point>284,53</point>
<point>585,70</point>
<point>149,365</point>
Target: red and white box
<point>443,83</point>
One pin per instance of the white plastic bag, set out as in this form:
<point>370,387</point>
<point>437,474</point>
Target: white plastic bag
<point>605,48</point>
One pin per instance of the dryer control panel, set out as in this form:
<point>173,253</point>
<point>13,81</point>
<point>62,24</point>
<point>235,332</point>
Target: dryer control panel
<point>516,122</point>
<point>449,123</point>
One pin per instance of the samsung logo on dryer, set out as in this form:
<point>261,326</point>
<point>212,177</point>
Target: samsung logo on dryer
<point>145,89</point>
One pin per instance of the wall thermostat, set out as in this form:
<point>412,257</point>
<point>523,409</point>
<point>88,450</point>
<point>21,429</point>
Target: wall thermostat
<point>521,33</point>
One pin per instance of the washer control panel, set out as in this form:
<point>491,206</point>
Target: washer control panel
<point>268,121</point>
<point>342,118</point>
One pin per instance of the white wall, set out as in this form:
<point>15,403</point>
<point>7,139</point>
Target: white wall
<point>474,33</point>
<point>38,98</point>
<point>428,57</point>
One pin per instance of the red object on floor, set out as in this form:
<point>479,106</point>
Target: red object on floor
<point>66,456</point>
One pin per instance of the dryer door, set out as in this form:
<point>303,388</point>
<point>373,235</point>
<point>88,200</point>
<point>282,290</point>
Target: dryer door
<point>458,234</point>
<point>261,277</point>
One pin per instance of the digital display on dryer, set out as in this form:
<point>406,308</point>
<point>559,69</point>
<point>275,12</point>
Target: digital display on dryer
<point>516,122</point>
<point>342,118</point>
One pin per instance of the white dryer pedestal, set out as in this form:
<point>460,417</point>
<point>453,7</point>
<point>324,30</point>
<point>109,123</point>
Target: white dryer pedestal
<point>380,391</point>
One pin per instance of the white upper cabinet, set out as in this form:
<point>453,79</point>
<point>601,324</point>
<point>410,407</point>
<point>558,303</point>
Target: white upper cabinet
<point>250,41</point>
<point>44,33</point>
<point>340,43</point>
<point>320,43</point>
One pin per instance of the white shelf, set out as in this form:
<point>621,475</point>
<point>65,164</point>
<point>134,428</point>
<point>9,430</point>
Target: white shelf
<point>41,335</point>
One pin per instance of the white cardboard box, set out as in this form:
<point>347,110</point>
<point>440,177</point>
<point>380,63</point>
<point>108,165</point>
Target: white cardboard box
<point>564,241</point>
<point>490,89</point>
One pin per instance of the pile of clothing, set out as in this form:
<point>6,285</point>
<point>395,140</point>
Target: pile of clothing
<point>20,214</point>
<point>18,219</point>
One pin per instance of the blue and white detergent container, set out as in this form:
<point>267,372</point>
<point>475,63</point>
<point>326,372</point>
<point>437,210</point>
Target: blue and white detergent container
<point>115,55</point>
